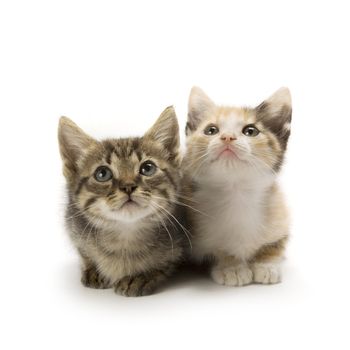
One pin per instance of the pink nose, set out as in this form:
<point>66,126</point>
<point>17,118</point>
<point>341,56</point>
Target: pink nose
<point>227,138</point>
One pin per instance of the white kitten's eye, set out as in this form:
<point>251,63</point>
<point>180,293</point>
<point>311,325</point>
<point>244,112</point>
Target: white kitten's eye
<point>211,130</point>
<point>250,130</point>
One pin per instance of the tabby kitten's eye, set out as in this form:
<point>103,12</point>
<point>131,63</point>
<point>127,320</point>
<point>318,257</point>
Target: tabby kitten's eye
<point>250,130</point>
<point>103,174</point>
<point>148,168</point>
<point>211,130</point>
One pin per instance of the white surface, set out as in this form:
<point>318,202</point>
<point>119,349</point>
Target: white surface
<point>113,67</point>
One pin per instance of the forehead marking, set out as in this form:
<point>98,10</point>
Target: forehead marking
<point>115,165</point>
<point>232,120</point>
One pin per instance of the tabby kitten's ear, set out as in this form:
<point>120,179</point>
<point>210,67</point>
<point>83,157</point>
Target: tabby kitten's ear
<point>73,143</point>
<point>199,105</point>
<point>276,114</point>
<point>166,131</point>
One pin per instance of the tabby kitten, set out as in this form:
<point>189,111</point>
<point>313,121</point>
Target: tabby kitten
<point>121,214</point>
<point>232,161</point>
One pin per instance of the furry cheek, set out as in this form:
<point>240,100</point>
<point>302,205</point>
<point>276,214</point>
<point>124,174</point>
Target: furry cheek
<point>197,153</point>
<point>266,150</point>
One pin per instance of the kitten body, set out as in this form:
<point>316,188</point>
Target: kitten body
<point>240,223</point>
<point>121,214</point>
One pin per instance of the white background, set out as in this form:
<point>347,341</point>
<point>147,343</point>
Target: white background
<point>112,67</point>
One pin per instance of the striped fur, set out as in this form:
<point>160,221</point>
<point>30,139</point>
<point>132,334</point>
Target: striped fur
<point>240,222</point>
<point>126,229</point>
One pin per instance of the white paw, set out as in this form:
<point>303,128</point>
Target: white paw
<point>239,275</point>
<point>266,273</point>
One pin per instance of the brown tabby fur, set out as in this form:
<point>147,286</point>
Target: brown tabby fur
<point>132,249</point>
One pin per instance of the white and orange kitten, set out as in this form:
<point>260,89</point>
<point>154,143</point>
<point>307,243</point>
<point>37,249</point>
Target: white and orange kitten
<point>239,220</point>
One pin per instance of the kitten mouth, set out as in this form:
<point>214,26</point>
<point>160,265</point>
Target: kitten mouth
<point>227,152</point>
<point>129,203</point>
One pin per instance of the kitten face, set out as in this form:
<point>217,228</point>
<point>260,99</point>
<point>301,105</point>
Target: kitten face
<point>123,179</point>
<point>127,182</point>
<point>221,140</point>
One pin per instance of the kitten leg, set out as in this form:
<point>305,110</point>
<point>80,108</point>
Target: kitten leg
<point>229,271</point>
<point>266,263</point>
<point>141,284</point>
<point>91,277</point>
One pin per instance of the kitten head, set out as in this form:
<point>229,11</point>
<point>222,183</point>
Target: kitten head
<point>241,141</point>
<point>121,179</point>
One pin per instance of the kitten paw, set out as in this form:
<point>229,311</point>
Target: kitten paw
<point>91,278</point>
<point>239,275</point>
<point>140,285</point>
<point>266,273</point>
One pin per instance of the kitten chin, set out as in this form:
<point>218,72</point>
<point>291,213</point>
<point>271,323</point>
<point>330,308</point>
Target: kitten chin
<point>129,212</point>
<point>240,221</point>
<point>122,214</point>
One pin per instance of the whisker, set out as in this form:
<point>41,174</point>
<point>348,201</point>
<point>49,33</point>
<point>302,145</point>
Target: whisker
<point>82,235</point>
<point>186,198</point>
<point>169,234</point>
<point>206,152</point>
<point>182,204</point>
<point>79,212</point>
<point>187,233</point>
<point>178,194</point>
<point>263,163</point>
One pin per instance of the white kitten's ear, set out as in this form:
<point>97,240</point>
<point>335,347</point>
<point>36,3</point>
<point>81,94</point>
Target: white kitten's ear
<point>279,100</point>
<point>73,143</point>
<point>166,131</point>
<point>276,114</point>
<point>199,105</point>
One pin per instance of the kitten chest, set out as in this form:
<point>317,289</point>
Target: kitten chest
<point>233,224</point>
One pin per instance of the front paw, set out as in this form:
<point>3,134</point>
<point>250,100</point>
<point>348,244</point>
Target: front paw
<point>139,285</point>
<point>266,273</point>
<point>238,275</point>
<point>91,278</point>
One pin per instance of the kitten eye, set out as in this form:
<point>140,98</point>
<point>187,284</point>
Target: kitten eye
<point>250,130</point>
<point>103,174</point>
<point>148,168</point>
<point>211,130</point>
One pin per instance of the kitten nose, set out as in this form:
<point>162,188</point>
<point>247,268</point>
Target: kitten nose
<point>128,188</point>
<point>227,138</point>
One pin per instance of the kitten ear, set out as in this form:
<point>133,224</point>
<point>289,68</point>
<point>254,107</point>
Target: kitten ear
<point>276,114</point>
<point>73,143</point>
<point>199,104</point>
<point>166,131</point>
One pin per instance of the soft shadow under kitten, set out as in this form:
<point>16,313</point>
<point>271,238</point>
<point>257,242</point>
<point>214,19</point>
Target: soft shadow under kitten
<point>121,214</point>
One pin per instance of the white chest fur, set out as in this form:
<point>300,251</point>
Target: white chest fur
<point>234,223</point>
